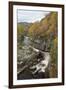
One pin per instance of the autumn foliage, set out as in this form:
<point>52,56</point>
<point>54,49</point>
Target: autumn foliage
<point>46,29</point>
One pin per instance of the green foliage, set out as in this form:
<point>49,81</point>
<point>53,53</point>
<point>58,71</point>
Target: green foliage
<point>20,29</point>
<point>54,58</point>
<point>54,51</point>
<point>20,34</point>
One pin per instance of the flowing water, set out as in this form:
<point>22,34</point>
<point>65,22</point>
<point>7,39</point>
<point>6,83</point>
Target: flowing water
<point>33,67</point>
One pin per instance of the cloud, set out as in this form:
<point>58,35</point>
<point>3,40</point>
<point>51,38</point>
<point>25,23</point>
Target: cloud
<point>30,15</point>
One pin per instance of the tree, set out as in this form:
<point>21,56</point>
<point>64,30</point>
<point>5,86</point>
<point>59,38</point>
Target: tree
<point>20,33</point>
<point>54,58</point>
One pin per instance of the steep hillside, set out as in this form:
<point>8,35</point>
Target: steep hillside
<point>46,30</point>
<point>46,27</point>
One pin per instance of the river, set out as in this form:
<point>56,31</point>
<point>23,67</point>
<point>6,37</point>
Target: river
<point>37,70</point>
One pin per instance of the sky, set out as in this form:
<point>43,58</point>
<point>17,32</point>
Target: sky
<point>30,16</point>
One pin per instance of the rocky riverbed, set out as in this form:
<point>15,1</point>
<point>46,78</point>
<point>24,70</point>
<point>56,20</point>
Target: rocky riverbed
<point>32,62</point>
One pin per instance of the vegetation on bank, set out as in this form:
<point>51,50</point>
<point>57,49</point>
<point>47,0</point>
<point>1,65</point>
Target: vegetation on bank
<point>44,31</point>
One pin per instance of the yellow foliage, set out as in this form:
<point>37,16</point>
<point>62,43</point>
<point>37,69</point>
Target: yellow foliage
<point>33,29</point>
<point>45,27</point>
